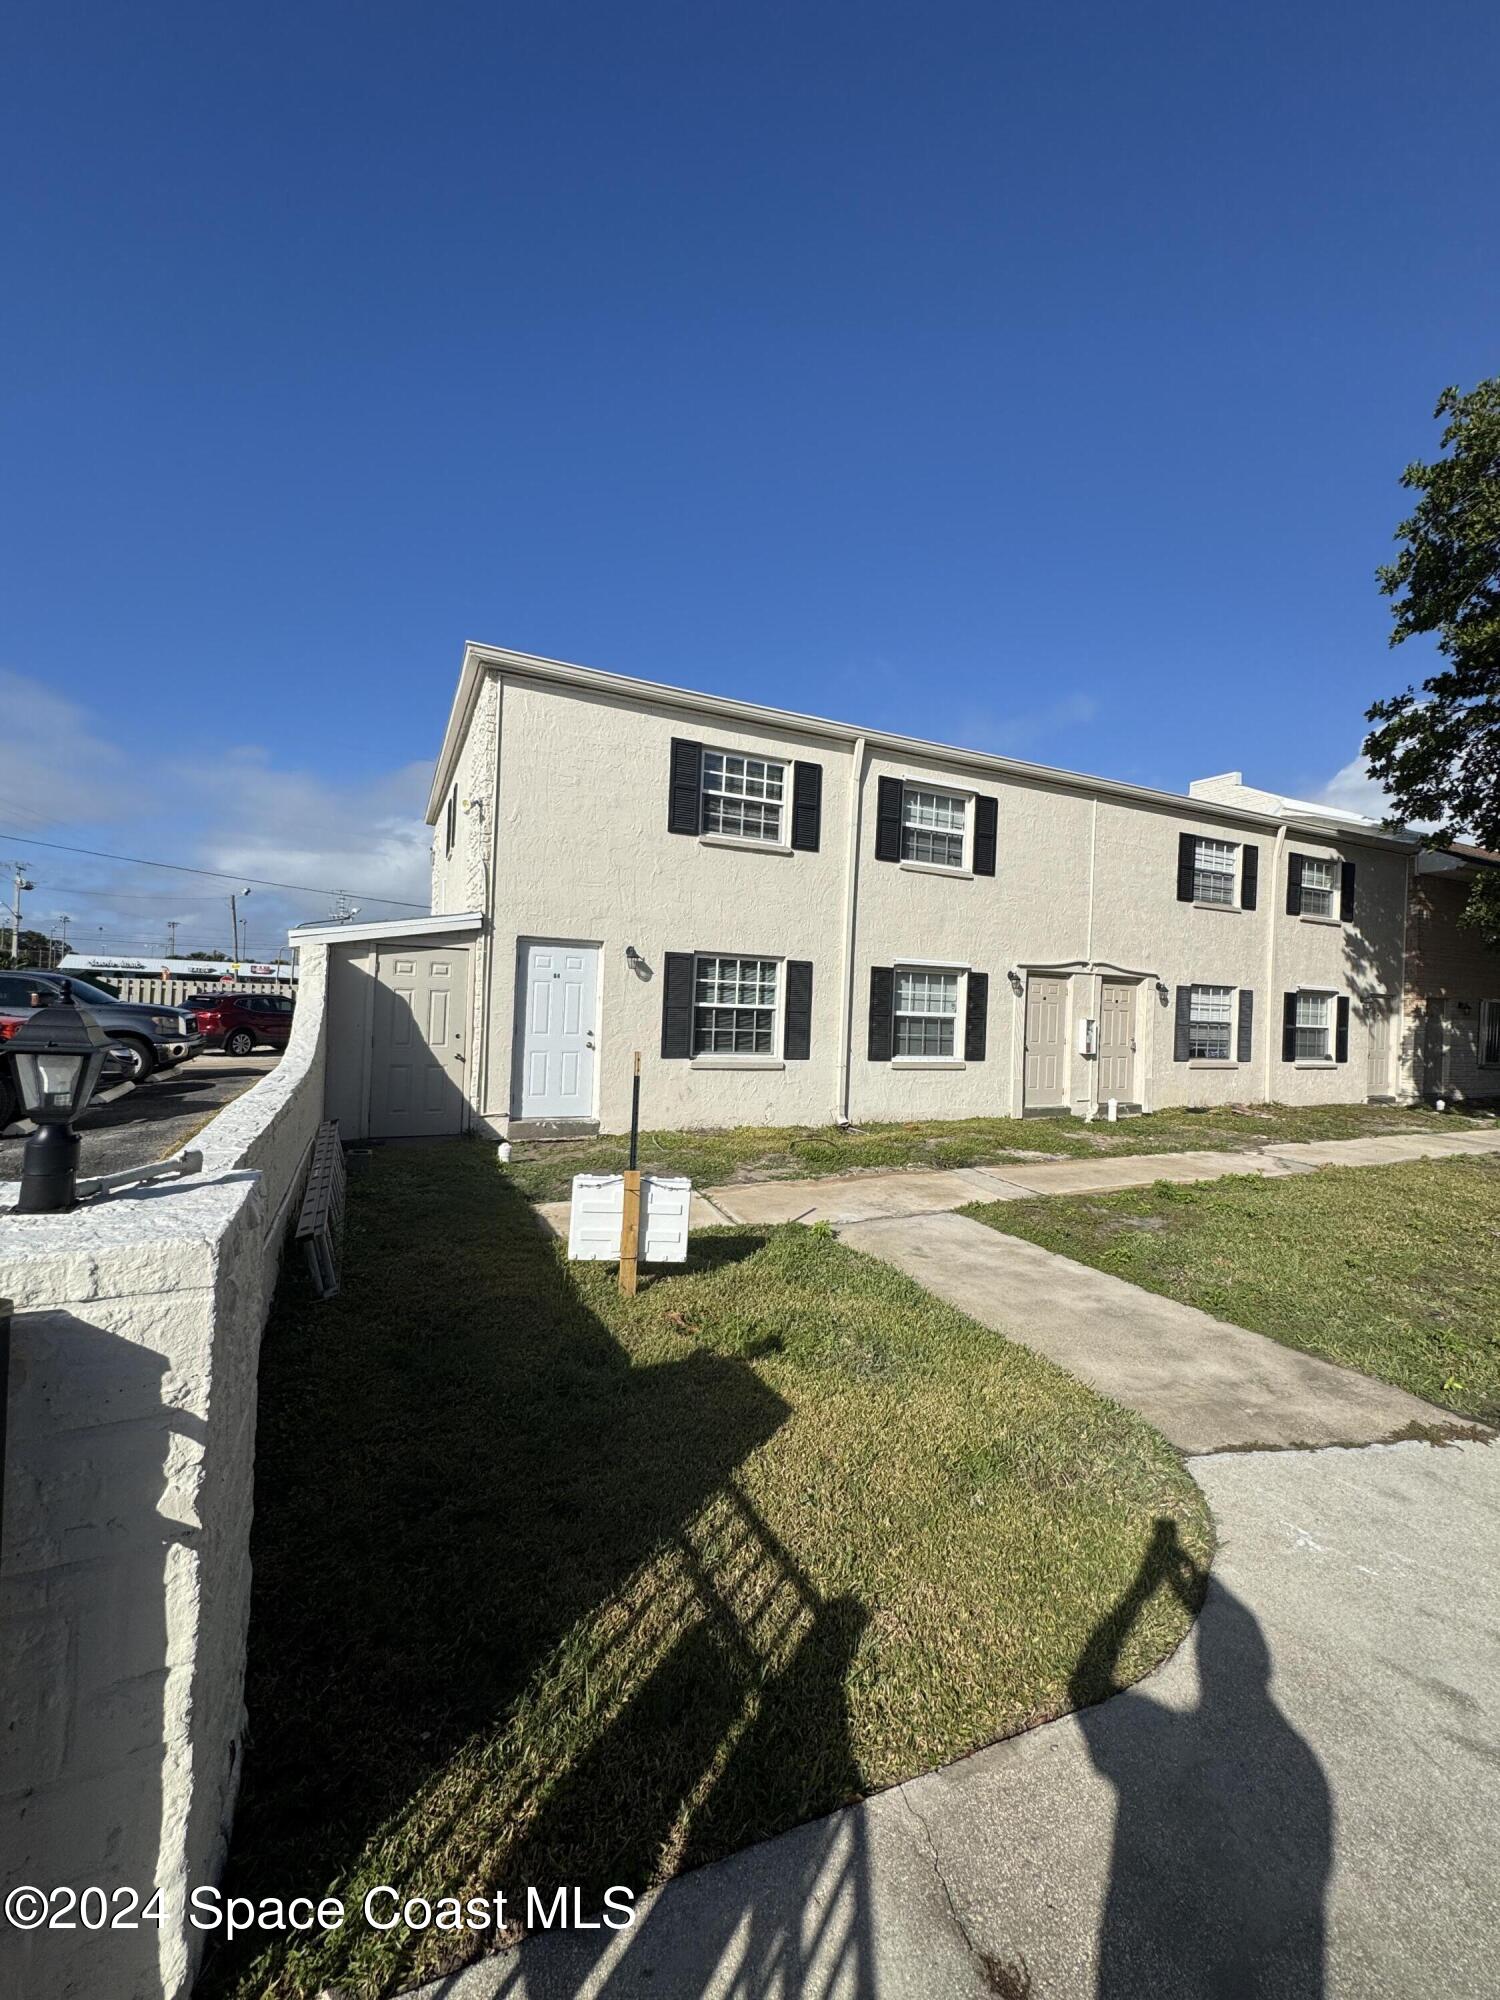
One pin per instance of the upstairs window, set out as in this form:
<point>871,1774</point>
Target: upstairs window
<point>926,1010</point>
<point>1313,1011</point>
<point>1317,887</point>
<point>1213,871</point>
<point>742,796</point>
<point>450,829</point>
<point>734,1006</point>
<point>1489,1033</point>
<point>933,826</point>
<point>1209,1023</point>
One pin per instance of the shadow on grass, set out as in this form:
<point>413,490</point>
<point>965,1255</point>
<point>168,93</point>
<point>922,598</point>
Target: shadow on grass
<point>493,1644</point>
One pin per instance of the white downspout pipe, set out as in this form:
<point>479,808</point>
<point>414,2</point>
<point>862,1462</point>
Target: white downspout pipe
<point>851,890</point>
<point>1271,1027</point>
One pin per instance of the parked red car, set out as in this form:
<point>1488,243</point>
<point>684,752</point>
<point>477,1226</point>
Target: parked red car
<point>240,1022</point>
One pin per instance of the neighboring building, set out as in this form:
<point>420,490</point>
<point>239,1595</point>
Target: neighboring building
<point>795,920</point>
<point>1452,1040</point>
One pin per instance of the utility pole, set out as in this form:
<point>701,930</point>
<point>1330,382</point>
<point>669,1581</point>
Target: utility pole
<point>63,922</point>
<point>19,883</point>
<point>172,923</point>
<point>234,929</point>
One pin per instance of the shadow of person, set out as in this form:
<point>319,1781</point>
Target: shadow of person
<point>1223,1818</point>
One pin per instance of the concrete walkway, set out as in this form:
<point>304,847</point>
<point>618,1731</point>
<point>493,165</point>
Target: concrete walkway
<point>1206,1385</point>
<point>1310,1787</point>
<point>863,1197</point>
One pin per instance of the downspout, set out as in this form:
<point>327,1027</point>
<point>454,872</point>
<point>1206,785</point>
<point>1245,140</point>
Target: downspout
<point>1272,1012</point>
<point>1095,990</point>
<point>488,935</point>
<point>851,887</point>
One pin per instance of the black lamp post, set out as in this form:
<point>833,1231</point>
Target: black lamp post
<point>58,1054</point>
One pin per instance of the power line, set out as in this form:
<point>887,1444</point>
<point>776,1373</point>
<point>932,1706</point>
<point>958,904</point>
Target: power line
<point>214,874</point>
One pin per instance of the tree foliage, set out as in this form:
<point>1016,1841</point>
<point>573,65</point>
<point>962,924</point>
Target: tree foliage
<point>1437,750</point>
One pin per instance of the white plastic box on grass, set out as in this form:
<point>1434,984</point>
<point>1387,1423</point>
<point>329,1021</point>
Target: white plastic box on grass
<point>598,1211</point>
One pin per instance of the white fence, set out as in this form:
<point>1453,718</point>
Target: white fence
<point>172,992</point>
<point>125,1572</point>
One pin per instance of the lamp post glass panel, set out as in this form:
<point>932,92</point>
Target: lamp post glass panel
<point>58,1054</point>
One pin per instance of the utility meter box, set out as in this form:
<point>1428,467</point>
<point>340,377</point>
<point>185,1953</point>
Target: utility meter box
<point>1088,1037</point>
<point>598,1211</point>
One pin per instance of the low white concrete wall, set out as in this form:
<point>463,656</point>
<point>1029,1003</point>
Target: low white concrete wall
<point>125,1569</point>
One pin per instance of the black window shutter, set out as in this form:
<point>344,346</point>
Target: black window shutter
<point>807,806</point>
<point>685,793</point>
<point>1346,891</point>
<point>882,1015</point>
<point>986,821</point>
<point>1294,884</point>
<point>976,1016</point>
<point>1246,1043</point>
<point>1341,1031</point>
<point>1187,848</point>
<point>1249,875</point>
<point>797,1035</point>
<point>1289,1028</point>
<point>888,820</point>
<point>1184,1018</point>
<point>677,1004</point>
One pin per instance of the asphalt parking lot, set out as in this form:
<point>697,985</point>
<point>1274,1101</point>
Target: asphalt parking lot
<point>156,1119</point>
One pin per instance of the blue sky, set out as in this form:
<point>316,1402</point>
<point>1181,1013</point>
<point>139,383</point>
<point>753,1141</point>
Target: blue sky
<point>1038,378</point>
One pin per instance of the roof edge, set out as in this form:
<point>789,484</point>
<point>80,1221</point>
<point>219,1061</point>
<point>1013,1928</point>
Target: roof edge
<point>532,666</point>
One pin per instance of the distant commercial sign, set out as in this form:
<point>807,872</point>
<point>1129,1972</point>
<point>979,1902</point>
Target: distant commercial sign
<point>203,969</point>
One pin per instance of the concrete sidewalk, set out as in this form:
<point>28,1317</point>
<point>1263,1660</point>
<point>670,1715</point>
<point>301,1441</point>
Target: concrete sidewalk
<point>922,1191</point>
<point>1206,1385</point>
<point>1301,1802</point>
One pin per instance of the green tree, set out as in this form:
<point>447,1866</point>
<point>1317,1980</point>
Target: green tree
<point>1437,752</point>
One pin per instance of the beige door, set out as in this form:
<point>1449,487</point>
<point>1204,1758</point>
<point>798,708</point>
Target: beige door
<point>1378,1070</point>
<point>1117,1041</point>
<point>1046,1044</point>
<point>417,1051</point>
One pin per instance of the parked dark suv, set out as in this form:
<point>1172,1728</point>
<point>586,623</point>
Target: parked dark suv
<point>152,1037</point>
<point>240,1022</point>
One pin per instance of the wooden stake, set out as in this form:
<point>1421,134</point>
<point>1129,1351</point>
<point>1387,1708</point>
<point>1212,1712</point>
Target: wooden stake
<point>630,1219</point>
<point>630,1231</point>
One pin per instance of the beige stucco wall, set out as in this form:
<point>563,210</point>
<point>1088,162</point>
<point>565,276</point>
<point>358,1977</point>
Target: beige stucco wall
<point>1447,962</point>
<point>582,854</point>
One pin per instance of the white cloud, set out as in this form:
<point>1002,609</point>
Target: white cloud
<point>241,810</point>
<point>54,750</point>
<point>1352,789</point>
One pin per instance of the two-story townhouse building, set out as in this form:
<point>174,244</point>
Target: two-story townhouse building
<point>795,920</point>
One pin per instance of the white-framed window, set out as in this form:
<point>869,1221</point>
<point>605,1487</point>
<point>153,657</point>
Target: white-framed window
<point>1489,1033</point>
<point>1317,887</point>
<point>1210,1023</point>
<point>926,1012</point>
<point>734,1006</point>
<point>1314,1027</point>
<point>1215,867</point>
<point>743,796</point>
<point>933,826</point>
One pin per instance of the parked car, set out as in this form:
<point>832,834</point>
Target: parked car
<point>240,1022</point>
<point>115,1073</point>
<point>153,1037</point>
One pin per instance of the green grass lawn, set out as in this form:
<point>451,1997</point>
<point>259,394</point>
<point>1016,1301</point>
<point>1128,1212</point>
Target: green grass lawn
<point>1392,1270</point>
<point>552,1586</point>
<point>792,1152</point>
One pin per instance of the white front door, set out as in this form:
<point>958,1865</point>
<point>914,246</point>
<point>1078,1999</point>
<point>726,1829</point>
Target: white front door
<point>417,1046</point>
<point>560,993</point>
<point>1117,1042</point>
<point>1046,1084</point>
<point>1378,1074</point>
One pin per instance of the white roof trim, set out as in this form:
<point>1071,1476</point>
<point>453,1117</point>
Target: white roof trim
<point>626,687</point>
<point>396,927</point>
